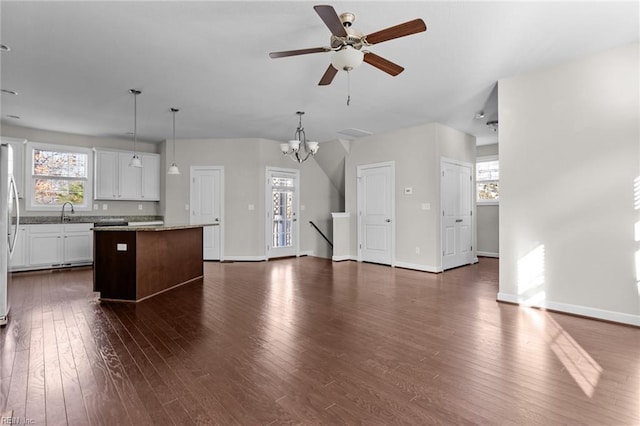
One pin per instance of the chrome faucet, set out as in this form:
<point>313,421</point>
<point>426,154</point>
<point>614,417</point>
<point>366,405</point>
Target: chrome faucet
<point>64,218</point>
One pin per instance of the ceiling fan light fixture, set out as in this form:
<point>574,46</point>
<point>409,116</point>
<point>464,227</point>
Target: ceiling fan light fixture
<point>347,58</point>
<point>493,125</point>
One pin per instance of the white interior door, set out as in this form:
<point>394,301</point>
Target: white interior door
<point>456,189</point>
<point>376,213</point>
<point>206,207</point>
<point>282,212</point>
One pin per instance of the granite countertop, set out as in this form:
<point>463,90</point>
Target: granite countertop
<point>37,220</point>
<point>152,228</point>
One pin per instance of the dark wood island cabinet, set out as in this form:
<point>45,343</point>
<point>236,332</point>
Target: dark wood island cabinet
<point>133,263</point>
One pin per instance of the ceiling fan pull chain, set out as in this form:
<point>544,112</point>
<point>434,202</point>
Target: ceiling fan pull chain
<point>348,87</point>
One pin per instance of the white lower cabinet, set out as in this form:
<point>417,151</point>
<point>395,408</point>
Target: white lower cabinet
<point>77,243</point>
<point>54,246</point>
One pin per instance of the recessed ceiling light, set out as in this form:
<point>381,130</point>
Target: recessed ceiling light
<point>8,92</point>
<point>13,116</point>
<point>4,48</point>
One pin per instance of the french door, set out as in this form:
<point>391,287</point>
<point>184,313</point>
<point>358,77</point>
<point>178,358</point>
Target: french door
<point>282,202</point>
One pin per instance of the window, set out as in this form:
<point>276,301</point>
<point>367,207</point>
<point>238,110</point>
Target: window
<point>58,174</point>
<point>487,180</point>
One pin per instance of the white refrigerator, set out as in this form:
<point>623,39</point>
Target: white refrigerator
<point>9,224</point>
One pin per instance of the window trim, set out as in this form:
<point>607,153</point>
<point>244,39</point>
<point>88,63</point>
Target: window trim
<point>486,159</point>
<point>30,178</point>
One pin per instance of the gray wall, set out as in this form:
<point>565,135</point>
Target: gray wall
<point>115,208</point>
<point>416,152</point>
<point>245,162</point>
<point>569,210</point>
<point>488,216</point>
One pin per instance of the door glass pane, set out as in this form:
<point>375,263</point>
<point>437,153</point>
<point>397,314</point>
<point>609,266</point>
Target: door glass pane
<point>282,196</point>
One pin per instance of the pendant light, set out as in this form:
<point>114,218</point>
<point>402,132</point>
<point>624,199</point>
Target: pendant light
<point>173,170</point>
<point>135,160</point>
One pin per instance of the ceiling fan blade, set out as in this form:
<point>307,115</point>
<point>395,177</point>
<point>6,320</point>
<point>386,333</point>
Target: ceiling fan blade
<point>331,20</point>
<point>298,52</point>
<point>328,76</point>
<point>382,64</point>
<point>400,30</point>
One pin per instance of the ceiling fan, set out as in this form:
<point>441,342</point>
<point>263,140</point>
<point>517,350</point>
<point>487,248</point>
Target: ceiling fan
<point>348,43</point>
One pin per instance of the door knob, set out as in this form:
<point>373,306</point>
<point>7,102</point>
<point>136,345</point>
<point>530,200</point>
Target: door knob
<point>458,220</point>
<point>216,219</point>
<point>388,220</point>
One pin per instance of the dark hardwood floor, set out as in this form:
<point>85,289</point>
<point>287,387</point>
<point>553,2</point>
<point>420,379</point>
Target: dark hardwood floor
<point>307,341</point>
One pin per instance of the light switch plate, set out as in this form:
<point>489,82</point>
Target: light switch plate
<point>252,207</point>
<point>426,206</point>
<point>121,247</point>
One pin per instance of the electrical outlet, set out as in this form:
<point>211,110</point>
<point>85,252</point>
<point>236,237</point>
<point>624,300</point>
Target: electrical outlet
<point>417,250</point>
<point>186,207</point>
<point>139,206</point>
<point>105,207</point>
<point>96,207</point>
<point>252,207</point>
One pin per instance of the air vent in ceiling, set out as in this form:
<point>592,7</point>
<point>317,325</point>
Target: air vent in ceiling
<point>354,133</point>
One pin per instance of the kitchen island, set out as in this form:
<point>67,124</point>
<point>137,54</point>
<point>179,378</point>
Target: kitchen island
<point>133,263</point>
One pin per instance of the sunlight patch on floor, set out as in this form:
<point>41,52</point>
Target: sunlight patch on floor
<point>584,370</point>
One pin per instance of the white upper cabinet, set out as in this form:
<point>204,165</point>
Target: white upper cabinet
<point>106,183</point>
<point>150,177</point>
<point>116,180</point>
<point>130,182</point>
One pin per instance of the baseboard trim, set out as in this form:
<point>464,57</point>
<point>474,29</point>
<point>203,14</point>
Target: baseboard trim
<point>305,253</point>
<point>244,259</point>
<point>342,258</point>
<point>419,267</point>
<point>583,311</point>
<point>487,254</point>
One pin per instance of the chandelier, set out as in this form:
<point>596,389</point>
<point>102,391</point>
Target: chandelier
<point>299,149</point>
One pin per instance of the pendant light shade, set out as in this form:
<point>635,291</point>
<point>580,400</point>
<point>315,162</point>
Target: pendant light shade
<point>173,169</point>
<point>135,160</point>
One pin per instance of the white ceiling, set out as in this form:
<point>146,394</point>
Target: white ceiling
<point>72,64</point>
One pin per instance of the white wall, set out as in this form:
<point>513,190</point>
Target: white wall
<point>569,155</point>
<point>115,208</point>
<point>416,152</point>
<point>245,162</point>
<point>488,216</point>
